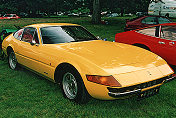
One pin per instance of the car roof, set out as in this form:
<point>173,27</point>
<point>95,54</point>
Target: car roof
<point>51,24</point>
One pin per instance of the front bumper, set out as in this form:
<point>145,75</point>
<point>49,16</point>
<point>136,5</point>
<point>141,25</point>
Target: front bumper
<point>124,94</point>
<point>170,78</point>
<point>140,88</point>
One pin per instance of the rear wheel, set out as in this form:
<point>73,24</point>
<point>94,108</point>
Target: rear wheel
<point>73,87</point>
<point>12,61</point>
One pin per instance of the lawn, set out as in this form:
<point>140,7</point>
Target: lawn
<point>25,94</point>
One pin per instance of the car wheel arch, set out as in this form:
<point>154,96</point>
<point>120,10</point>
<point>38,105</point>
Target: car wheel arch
<point>58,71</point>
<point>142,46</point>
<point>9,49</point>
<point>82,95</point>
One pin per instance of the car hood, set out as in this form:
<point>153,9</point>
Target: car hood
<point>129,64</point>
<point>110,56</point>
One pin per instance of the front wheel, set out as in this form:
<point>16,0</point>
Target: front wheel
<point>12,61</point>
<point>70,86</point>
<point>73,87</point>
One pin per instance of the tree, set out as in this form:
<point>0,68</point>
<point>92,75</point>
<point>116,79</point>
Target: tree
<point>96,16</point>
<point>95,6</point>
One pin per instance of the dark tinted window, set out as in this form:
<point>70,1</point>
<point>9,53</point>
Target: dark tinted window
<point>163,20</point>
<point>64,34</point>
<point>36,39</point>
<point>150,20</point>
<point>78,33</point>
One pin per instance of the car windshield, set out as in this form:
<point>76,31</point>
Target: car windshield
<point>163,20</point>
<point>65,34</point>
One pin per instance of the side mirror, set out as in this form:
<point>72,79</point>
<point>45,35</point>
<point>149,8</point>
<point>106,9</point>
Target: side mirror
<point>33,43</point>
<point>99,38</point>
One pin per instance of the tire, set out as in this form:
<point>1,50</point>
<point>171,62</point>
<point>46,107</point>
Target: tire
<point>12,61</point>
<point>72,86</point>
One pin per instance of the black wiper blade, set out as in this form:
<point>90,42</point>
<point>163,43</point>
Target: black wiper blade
<point>79,40</point>
<point>75,41</point>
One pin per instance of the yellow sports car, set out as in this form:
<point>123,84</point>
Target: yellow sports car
<point>85,66</point>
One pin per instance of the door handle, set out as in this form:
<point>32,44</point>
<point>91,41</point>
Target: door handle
<point>160,42</point>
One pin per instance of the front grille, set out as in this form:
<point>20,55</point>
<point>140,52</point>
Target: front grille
<point>139,86</point>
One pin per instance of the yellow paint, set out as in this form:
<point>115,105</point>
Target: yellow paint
<point>130,65</point>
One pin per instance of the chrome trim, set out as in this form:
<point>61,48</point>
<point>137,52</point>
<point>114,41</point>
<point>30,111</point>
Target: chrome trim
<point>169,79</point>
<point>134,92</point>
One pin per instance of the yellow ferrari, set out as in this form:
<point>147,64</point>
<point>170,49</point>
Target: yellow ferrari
<point>83,65</point>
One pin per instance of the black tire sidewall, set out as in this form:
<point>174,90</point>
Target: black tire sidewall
<point>82,92</point>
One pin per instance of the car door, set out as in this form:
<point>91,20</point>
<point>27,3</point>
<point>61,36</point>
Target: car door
<point>31,53</point>
<point>27,51</point>
<point>158,42</point>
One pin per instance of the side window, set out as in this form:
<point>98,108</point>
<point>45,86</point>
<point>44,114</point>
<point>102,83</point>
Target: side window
<point>150,20</point>
<point>18,34</point>
<point>28,34</point>
<point>36,40</point>
<point>163,20</point>
<point>148,31</point>
<point>168,32</point>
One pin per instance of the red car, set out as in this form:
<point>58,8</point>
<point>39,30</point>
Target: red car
<point>145,21</point>
<point>160,39</point>
<point>10,16</point>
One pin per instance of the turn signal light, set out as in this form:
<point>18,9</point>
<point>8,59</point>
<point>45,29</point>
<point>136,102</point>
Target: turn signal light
<point>104,80</point>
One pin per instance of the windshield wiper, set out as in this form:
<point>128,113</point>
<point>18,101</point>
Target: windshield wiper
<point>80,40</point>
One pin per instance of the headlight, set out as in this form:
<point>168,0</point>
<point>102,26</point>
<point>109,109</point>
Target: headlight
<point>104,80</point>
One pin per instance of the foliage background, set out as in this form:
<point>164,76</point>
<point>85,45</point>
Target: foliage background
<point>51,6</point>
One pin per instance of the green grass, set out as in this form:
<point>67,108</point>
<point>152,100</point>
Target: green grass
<point>24,94</point>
